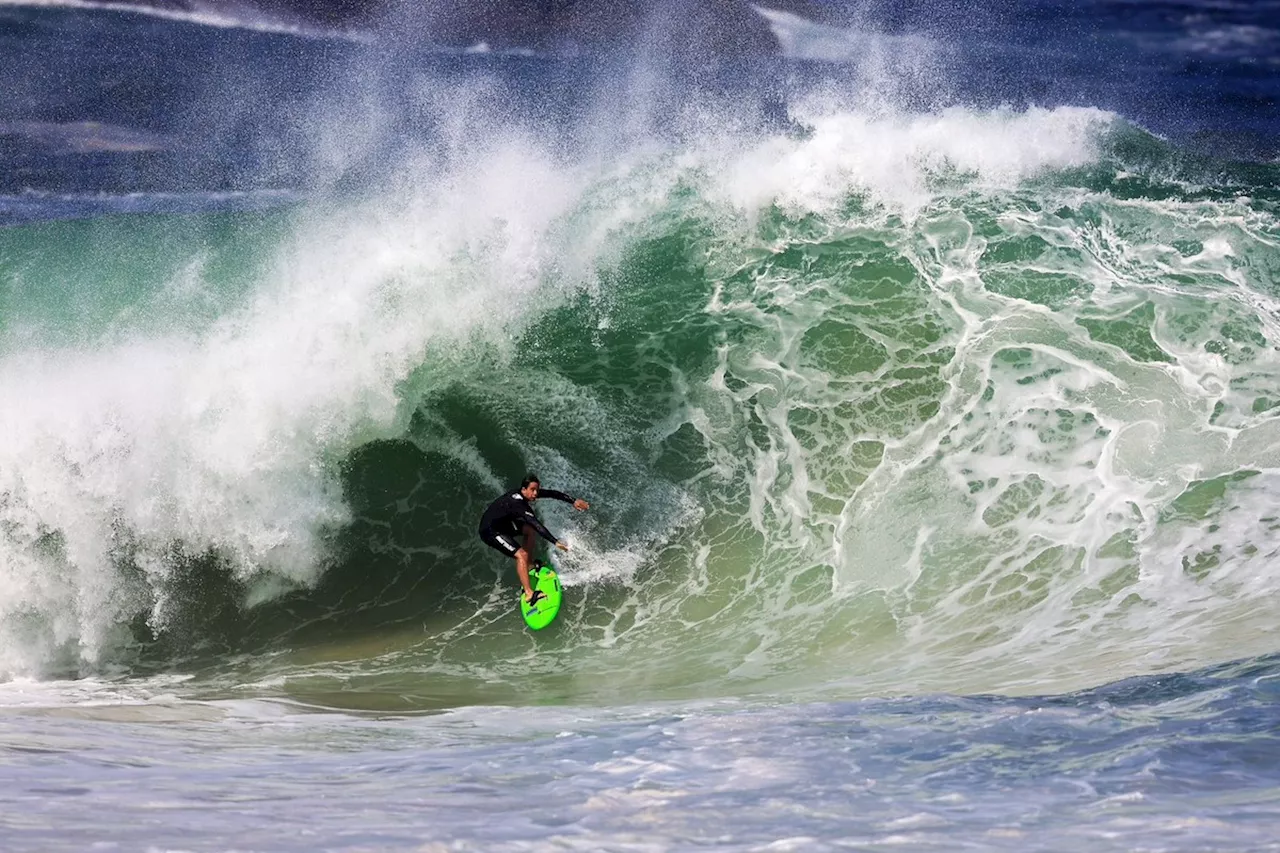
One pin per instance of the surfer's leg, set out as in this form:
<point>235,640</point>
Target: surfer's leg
<point>506,543</point>
<point>522,571</point>
<point>523,557</point>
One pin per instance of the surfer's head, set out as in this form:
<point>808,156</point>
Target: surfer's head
<point>529,487</point>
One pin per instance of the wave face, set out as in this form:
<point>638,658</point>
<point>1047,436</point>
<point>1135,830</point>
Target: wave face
<point>874,399</point>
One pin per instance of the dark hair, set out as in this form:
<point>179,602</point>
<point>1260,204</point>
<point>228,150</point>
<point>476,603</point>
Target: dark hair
<point>529,478</point>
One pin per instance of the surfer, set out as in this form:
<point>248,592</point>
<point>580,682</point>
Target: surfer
<point>510,519</point>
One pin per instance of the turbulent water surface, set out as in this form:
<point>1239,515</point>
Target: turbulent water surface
<point>922,372</point>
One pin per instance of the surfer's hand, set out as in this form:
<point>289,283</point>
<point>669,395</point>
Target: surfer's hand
<point>562,546</point>
<point>580,504</point>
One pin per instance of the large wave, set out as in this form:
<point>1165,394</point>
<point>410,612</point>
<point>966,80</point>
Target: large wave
<point>907,401</point>
<point>871,397</point>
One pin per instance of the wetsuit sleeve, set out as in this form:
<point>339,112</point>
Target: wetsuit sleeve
<point>532,520</point>
<point>553,494</point>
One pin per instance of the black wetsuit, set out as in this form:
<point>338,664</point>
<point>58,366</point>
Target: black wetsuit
<point>502,525</point>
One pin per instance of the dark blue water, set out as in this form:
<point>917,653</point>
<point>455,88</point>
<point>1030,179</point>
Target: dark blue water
<point>118,102</point>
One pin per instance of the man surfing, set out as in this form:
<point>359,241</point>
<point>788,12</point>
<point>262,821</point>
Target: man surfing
<point>510,519</point>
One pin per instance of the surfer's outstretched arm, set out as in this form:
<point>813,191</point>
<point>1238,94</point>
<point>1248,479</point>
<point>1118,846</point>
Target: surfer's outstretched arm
<point>578,503</point>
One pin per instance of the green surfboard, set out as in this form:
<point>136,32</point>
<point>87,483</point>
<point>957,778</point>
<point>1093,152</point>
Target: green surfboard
<point>543,613</point>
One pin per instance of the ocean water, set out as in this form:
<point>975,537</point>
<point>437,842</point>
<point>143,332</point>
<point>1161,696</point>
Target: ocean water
<point>923,377</point>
